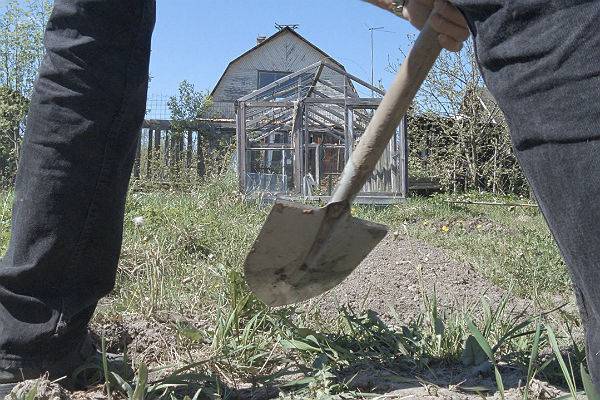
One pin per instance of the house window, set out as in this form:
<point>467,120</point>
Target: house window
<point>267,77</point>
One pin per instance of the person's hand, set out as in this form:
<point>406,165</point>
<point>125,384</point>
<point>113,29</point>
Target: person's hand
<point>445,19</point>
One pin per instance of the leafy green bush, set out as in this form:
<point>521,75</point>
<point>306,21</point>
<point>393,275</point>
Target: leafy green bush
<point>13,107</point>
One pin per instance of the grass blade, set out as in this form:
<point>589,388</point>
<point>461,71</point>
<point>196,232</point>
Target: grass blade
<point>590,389</point>
<point>105,369</point>
<point>561,361</point>
<point>533,358</point>
<point>140,388</point>
<point>481,341</point>
<point>485,346</point>
<point>32,393</point>
<point>122,385</point>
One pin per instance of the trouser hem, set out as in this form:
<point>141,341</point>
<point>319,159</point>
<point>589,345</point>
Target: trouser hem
<point>71,357</point>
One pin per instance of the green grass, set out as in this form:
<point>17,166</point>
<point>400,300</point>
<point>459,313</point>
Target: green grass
<point>211,227</point>
<point>5,213</point>
<point>176,258</point>
<point>182,267</point>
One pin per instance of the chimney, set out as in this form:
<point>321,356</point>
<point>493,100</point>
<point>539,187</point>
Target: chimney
<point>260,39</point>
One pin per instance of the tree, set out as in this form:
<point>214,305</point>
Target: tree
<point>187,110</point>
<point>22,26</point>
<point>21,52</point>
<point>457,132</point>
<point>189,106</point>
<point>13,107</point>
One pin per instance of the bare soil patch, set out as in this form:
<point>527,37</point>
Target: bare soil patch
<point>400,271</point>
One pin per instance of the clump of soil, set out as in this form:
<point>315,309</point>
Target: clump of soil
<point>154,341</point>
<point>142,338</point>
<point>400,272</point>
<point>41,388</point>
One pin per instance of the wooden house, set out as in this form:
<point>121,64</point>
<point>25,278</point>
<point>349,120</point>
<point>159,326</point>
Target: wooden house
<point>270,59</point>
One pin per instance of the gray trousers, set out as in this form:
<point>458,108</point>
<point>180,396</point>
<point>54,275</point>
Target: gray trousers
<point>541,61</point>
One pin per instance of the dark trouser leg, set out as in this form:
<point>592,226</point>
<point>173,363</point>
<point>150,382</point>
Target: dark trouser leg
<point>541,61</point>
<point>566,181</point>
<point>86,110</point>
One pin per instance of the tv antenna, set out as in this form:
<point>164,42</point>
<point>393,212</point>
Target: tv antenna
<point>374,29</point>
<point>283,26</point>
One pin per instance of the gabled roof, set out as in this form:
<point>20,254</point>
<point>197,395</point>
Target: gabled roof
<point>268,40</point>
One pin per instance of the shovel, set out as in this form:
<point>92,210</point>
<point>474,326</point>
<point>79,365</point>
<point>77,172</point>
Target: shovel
<point>304,251</point>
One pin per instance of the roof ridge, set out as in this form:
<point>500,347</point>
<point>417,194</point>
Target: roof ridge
<point>269,39</point>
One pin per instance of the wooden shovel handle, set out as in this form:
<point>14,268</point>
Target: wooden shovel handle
<point>390,112</point>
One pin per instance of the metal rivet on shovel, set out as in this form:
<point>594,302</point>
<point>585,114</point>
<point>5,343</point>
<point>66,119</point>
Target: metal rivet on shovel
<point>304,251</point>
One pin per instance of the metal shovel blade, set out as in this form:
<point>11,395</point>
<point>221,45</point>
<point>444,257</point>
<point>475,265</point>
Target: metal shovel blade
<point>304,251</point>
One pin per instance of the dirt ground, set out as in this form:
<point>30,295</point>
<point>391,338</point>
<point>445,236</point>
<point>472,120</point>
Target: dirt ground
<point>400,271</point>
<point>396,275</point>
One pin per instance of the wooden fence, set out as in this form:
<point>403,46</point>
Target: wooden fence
<point>162,152</point>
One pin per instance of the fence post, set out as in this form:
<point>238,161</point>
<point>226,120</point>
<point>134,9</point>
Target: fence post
<point>404,154</point>
<point>157,134</point>
<point>201,165</point>
<point>190,145</point>
<point>174,148</point>
<point>167,148</point>
<point>180,144</point>
<point>138,156</point>
<point>241,145</point>
<point>149,153</point>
